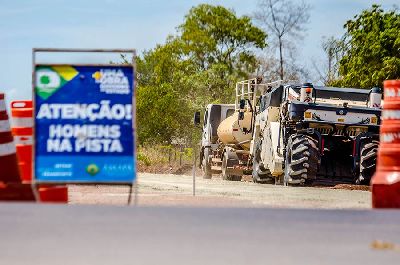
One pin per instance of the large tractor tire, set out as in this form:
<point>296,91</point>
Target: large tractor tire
<point>261,174</point>
<point>225,171</point>
<point>302,160</point>
<point>205,164</point>
<point>368,156</point>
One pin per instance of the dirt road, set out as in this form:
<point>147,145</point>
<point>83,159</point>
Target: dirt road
<point>173,190</point>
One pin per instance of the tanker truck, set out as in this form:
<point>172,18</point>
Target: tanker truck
<point>227,134</point>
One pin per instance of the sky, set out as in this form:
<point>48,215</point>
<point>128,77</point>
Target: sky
<point>130,24</point>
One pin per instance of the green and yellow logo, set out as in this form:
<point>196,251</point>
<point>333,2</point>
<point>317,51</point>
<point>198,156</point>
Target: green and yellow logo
<point>50,79</point>
<point>92,169</point>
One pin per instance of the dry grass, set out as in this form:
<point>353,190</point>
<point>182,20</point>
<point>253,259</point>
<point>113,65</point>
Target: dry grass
<point>164,159</point>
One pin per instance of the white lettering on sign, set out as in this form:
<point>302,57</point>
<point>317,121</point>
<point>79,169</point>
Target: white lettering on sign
<point>57,174</point>
<point>86,111</point>
<point>93,138</point>
<point>89,138</point>
<point>98,145</point>
<point>88,145</point>
<point>112,81</point>
<point>59,145</point>
<point>84,131</point>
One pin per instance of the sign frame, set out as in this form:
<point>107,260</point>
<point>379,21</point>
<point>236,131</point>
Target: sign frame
<point>132,64</point>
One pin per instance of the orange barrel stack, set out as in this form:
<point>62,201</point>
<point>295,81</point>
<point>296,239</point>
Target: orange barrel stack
<point>53,194</point>
<point>22,123</point>
<point>9,172</point>
<point>386,181</point>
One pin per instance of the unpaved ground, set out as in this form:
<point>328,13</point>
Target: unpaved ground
<point>176,190</point>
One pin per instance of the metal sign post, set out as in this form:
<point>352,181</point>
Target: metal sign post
<point>85,126</point>
<point>194,170</point>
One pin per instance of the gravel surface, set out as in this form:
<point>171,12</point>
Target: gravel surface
<point>176,190</point>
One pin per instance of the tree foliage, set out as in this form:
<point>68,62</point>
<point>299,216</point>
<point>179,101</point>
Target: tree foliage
<point>372,49</point>
<point>213,35</point>
<point>200,64</point>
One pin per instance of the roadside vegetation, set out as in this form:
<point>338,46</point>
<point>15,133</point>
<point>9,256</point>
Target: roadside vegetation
<point>214,48</point>
<point>173,159</point>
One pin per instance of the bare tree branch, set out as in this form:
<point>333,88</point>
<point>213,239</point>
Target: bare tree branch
<point>328,67</point>
<point>285,20</point>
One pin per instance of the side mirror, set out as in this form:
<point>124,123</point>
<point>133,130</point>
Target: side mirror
<point>242,103</point>
<point>196,118</point>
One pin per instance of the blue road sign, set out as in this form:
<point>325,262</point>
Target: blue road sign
<point>83,124</point>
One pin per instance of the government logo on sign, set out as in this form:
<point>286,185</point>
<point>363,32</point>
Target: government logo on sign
<point>50,79</point>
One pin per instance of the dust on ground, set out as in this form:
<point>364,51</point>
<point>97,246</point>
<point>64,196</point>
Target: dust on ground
<point>186,169</point>
<point>177,190</point>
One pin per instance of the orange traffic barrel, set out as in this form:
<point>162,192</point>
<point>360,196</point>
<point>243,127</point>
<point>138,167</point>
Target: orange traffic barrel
<point>53,194</point>
<point>22,129</point>
<point>9,172</point>
<point>16,192</point>
<point>386,181</point>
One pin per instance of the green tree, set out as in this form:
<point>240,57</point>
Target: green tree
<point>285,21</point>
<point>214,35</point>
<point>372,52</point>
<point>162,114</point>
<point>199,65</point>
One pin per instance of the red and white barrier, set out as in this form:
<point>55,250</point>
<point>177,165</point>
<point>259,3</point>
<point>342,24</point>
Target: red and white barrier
<point>9,172</point>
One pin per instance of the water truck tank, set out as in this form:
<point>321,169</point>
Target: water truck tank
<point>235,131</point>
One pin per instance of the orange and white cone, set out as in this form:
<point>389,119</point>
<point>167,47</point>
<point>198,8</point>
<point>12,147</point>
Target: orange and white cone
<point>386,181</point>
<point>9,172</point>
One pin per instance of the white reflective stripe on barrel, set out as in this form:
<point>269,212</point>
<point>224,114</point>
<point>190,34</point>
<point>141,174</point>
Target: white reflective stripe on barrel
<point>7,149</point>
<point>2,105</point>
<point>391,114</point>
<point>391,92</point>
<point>4,126</point>
<point>18,122</point>
<point>23,140</point>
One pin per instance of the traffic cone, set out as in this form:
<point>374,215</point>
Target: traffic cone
<point>386,181</point>
<point>9,172</point>
<point>53,194</point>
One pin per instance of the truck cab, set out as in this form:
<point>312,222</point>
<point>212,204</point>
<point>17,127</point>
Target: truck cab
<point>214,114</point>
